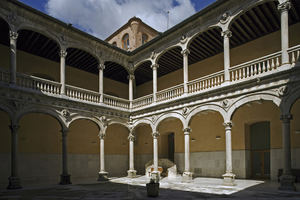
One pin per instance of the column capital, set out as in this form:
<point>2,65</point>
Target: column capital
<point>101,66</point>
<point>226,33</point>
<point>286,118</point>
<point>228,125</point>
<point>63,53</point>
<point>154,66</point>
<point>102,134</point>
<point>131,77</point>
<point>131,137</point>
<point>185,52</point>
<point>155,134</point>
<point>64,132</point>
<point>285,6</point>
<point>14,128</point>
<point>13,35</point>
<point>187,131</point>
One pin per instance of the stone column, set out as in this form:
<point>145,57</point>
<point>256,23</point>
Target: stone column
<point>14,180</point>
<point>101,67</point>
<point>287,180</point>
<point>13,56</point>
<point>102,174</point>
<point>226,35</point>
<point>131,172</point>
<point>63,54</point>
<point>154,68</point>
<point>284,9</point>
<point>155,175</point>
<point>185,54</point>
<point>130,78</point>
<point>65,178</point>
<point>228,176</point>
<point>187,174</point>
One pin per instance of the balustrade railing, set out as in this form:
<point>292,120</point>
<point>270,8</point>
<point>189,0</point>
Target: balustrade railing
<point>294,53</point>
<point>255,67</point>
<point>206,82</point>
<point>4,76</point>
<point>38,84</point>
<point>170,93</point>
<point>115,101</point>
<point>82,94</point>
<point>142,101</point>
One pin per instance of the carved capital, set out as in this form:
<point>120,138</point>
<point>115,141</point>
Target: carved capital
<point>185,52</point>
<point>64,132</point>
<point>286,118</point>
<point>13,35</point>
<point>155,66</point>
<point>225,18</point>
<point>226,33</point>
<point>63,53</point>
<point>101,66</point>
<point>130,77</point>
<point>155,134</point>
<point>131,137</point>
<point>285,6</point>
<point>187,131</point>
<point>183,39</point>
<point>102,134</point>
<point>228,125</point>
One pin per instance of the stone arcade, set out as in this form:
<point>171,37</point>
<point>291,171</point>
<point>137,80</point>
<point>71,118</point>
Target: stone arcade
<point>200,93</point>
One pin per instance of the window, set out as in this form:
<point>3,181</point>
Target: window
<point>114,44</point>
<point>125,41</point>
<point>144,38</point>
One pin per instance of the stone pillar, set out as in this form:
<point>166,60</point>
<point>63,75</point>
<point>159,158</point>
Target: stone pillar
<point>13,56</point>
<point>228,176</point>
<point>284,9</point>
<point>287,180</point>
<point>65,178</point>
<point>63,54</point>
<point>130,78</point>
<point>131,172</point>
<point>101,67</point>
<point>185,54</point>
<point>154,68</point>
<point>14,180</point>
<point>226,35</point>
<point>155,175</point>
<point>102,174</point>
<point>187,174</point>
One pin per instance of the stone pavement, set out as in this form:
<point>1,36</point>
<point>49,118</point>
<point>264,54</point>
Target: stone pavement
<point>126,188</point>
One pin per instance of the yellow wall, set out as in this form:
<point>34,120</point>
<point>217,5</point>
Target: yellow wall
<point>144,141</point>
<point>116,140</point>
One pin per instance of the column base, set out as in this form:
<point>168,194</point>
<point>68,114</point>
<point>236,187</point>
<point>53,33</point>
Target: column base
<point>287,182</point>
<point>103,176</point>
<point>155,176</point>
<point>131,173</point>
<point>65,179</point>
<point>187,176</point>
<point>229,179</point>
<point>14,183</point>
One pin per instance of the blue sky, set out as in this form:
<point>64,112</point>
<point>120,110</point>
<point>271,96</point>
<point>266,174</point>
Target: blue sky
<point>102,17</point>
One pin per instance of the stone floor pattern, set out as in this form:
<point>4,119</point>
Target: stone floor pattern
<point>126,188</point>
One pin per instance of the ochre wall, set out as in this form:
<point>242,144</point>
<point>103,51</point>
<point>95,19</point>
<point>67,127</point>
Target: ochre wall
<point>144,140</point>
<point>116,140</point>
<point>257,48</point>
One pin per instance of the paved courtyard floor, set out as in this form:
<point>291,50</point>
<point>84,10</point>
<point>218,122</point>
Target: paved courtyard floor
<point>126,188</point>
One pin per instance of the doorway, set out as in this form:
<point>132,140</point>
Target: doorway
<point>260,150</point>
<point>171,147</point>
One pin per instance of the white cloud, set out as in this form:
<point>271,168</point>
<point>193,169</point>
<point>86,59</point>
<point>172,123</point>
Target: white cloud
<point>102,17</point>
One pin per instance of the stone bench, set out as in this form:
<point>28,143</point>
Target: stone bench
<point>295,172</point>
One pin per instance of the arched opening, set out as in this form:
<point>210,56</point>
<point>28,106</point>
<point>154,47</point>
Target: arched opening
<point>5,148</point>
<point>144,79</point>
<point>116,150</point>
<point>256,134</point>
<point>83,150</point>
<point>206,53</point>
<point>115,81</point>
<point>143,148</point>
<point>83,66</point>
<point>40,149</point>
<point>125,42</point>
<point>170,71</point>
<point>295,135</point>
<point>4,46</point>
<point>207,144</point>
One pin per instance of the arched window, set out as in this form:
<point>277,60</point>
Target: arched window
<point>144,38</point>
<point>125,41</point>
<point>114,44</point>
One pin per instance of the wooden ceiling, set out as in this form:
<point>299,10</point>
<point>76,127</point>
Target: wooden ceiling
<point>256,22</point>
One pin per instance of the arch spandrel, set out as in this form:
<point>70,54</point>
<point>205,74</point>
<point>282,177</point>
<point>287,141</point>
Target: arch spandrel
<point>143,121</point>
<point>289,99</point>
<point>170,115</point>
<point>79,117</point>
